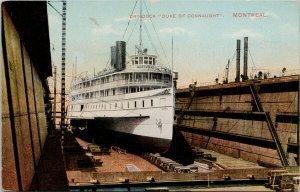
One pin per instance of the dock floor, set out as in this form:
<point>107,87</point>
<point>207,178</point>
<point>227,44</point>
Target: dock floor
<point>51,174</point>
<point>116,162</point>
<point>120,161</point>
<point>231,162</point>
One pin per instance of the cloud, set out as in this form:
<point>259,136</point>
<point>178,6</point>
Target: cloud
<point>175,31</point>
<point>154,1</point>
<point>105,29</point>
<point>289,28</point>
<point>244,33</point>
<point>271,14</point>
<point>121,19</point>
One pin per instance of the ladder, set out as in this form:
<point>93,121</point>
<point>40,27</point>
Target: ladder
<point>281,153</point>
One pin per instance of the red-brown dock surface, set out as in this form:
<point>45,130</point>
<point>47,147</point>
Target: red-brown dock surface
<point>116,161</point>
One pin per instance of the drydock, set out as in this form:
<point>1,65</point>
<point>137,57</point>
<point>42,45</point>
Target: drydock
<point>239,133</point>
<point>254,120</point>
<point>235,136</point>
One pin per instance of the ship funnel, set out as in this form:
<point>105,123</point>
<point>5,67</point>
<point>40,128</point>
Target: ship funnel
<point>245,75</point>
<point>238,51</point>
<point>120,55</point>
<point>113,56</point>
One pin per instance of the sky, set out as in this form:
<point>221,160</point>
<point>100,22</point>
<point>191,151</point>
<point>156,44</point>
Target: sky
<point>201,45</point>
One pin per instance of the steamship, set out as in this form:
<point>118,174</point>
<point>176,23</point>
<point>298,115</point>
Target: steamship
<point>133,96</point>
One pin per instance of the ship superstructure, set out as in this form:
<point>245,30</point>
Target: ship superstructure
<point>133,96</point>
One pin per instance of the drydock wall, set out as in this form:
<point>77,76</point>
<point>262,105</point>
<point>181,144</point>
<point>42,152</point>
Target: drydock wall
<point>224,118</point>
<point>24,128</point>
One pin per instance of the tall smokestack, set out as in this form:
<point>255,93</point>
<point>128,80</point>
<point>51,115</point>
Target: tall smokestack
<point>245,75</point>
<point>238,55</point>
<point>120,55</point>
<point>113,56</point>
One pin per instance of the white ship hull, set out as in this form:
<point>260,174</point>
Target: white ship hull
<point>146,117</point>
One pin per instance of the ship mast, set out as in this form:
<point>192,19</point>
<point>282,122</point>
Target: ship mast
<point>140,48</point>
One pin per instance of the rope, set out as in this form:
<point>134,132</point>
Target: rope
<point>252,59</point>
<point>132,31</point>
<point>231,61</point>
<point>129,20</point>
<point>156,34</point>
<point>153,47</point>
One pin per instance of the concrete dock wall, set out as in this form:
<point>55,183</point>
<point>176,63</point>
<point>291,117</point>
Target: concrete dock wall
<point>23,112</point>
<point>229,109</point>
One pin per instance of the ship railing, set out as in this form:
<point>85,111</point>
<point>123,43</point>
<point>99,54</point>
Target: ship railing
<point>103,98</point>
<point>123,82</point>
<point>147,81</point>
<point>110,98</point>
<point>149,67</point>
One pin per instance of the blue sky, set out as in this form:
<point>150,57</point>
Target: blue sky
<point>202,46</point>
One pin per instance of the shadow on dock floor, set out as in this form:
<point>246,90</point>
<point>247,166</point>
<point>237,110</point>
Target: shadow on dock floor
<point>51,174</point>
<point>75,156</point>
<point>179,150</point>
